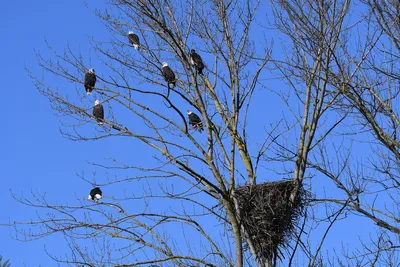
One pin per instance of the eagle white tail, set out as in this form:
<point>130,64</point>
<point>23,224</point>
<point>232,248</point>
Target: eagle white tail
<point>136,46</point>
<point>88,93</point>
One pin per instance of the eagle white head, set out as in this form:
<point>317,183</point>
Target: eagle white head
<point>189,112</point>
<point>91,70</point>
<point>165,64</point>
<point>130,32</point>
<point>97,102</point>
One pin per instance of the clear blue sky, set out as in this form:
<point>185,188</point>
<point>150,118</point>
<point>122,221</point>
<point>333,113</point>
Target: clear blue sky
<point>34,155</point>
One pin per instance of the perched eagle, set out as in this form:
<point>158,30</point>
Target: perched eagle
<point>90,81</point>
<point>195,121</point>
<point>98,112</point>
<point>196,61</point>
<point>134,40</point>
<point>169,75</point>
<point>95,194</point>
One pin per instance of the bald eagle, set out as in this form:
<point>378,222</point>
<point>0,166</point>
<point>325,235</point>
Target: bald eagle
<point>134,40</point>
<point>95,194</point>
<point>169,76</point>
<point>90,81</point>
<point>196,61</point>
<point>98,112</point>
<point>195,121</point>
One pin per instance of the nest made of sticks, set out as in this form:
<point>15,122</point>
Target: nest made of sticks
<point>267,215</point>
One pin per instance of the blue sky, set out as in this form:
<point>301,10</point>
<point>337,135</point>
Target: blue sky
<point>35,157</point>
<point>34,154</point>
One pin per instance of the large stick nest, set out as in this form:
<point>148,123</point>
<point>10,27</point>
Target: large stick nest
<point>268,216</point>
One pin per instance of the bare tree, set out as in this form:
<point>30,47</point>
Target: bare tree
<point>338,88</point>
<point>5,263</point>
<point>359,79</point>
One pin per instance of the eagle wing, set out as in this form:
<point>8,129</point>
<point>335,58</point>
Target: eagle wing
<point>198,62</point>
<point>194,119</point>
<point>90,79</point>
<point>168,74</point>
<point>98,111</point>
<point>95,192</point>
<point>134,39</point>
<point>196,122</point>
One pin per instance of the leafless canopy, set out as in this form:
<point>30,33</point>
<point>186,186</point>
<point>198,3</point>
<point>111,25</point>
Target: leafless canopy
<point>291,89</point>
